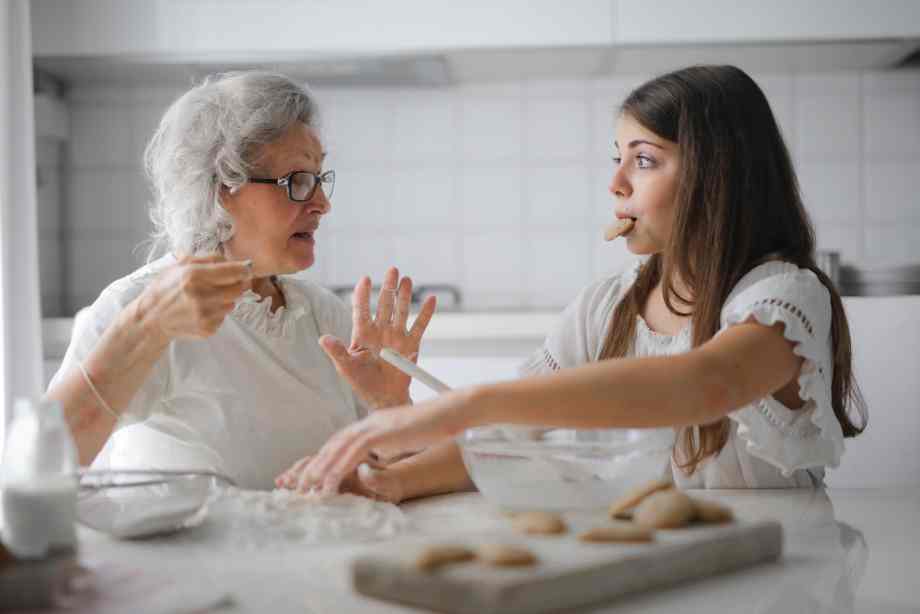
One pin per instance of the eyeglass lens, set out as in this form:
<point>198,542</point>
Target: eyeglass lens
<point>303,185</point>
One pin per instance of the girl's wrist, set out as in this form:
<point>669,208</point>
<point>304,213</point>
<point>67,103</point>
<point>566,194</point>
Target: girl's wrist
<point>470,408</point>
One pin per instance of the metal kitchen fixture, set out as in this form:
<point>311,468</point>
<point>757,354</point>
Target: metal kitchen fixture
<point>880,281</point>
<point>449,296</point>
<point>889,281</point>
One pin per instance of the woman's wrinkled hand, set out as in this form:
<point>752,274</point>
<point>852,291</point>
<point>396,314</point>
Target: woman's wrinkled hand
<point>191,298</point>
<point>370,479</point>
<point>376,382</point>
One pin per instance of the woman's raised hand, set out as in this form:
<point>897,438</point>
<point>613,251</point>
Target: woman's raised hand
<point>376,382</point>
<point>191,298</point>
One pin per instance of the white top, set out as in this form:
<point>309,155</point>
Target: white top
<point>248,401</point>
<point>770,445</point>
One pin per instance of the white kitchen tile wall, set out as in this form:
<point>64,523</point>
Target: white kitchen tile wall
<point>50,228</point>
<point>501,187</point>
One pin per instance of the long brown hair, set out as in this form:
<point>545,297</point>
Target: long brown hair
<point>738,205</point>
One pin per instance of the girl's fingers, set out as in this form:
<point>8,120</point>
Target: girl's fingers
<point>292,476</point>
<point>403,300</point>
<point>279,479</point>
<point>387,297</point>
<point>423,318</point>
<point>346,460</point>
<point>316,470</point>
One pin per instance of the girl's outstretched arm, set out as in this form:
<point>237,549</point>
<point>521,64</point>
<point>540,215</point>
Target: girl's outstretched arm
<point>740,365</point>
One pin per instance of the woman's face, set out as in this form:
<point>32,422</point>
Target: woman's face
<point>278,234</point>
<point>644,185</point>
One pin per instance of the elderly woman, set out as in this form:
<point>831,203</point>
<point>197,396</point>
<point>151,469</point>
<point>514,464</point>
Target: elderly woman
<point>212,356</point>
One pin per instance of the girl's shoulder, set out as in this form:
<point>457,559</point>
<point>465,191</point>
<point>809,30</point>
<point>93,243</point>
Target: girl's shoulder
<point>600,297</point>
<point>580,330</point>
<point>776,273</point>
<point>783,291</point>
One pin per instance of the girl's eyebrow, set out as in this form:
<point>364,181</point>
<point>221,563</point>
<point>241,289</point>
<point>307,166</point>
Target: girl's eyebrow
<point>638,142</point>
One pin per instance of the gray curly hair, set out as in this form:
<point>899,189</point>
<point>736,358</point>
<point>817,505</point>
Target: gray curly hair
<point>211,137</point>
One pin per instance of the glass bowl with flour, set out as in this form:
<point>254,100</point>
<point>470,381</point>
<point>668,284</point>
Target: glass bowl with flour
<point>131,504</point>
<point>520,468</point>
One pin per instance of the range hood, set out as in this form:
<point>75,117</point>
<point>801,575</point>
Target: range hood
<point>500,64</point>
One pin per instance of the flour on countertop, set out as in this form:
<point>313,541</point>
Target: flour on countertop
<point>263,519</point>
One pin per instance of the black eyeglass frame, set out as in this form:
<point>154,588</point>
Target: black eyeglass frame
<point>326,177</point>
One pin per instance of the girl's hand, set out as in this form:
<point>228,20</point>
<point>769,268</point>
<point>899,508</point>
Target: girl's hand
<point>370,479</point>
<point>376,382</point>
<point>388,433</point>
<point>191,298</point>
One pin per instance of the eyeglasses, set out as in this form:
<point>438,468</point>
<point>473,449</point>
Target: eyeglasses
<point>301,185</point>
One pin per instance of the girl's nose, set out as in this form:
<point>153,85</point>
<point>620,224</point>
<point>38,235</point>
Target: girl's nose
<point>619,184</point>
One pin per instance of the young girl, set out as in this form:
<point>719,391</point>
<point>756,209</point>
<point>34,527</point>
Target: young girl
<point>728,332</point>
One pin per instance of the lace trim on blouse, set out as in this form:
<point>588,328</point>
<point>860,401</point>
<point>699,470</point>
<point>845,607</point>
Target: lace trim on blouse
<point>661,340</point>
<point>781,445</point>
<point>548,361</point>
<point>255,312</point>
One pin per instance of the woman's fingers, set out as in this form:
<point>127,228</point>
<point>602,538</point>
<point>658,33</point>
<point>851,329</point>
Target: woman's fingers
<point>220,273</point>
<point>228,293</point>
<point>337,351</point>
<point>387,297</point>
<point>423,318</point>
<point>361,308</point>
<point>403,300</point>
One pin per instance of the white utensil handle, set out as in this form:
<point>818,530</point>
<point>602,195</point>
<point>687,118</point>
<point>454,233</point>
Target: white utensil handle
<point>413,370</point>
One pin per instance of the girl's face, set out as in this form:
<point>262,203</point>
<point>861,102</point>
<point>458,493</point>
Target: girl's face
<point>644,185</point>
<point>278,234</point>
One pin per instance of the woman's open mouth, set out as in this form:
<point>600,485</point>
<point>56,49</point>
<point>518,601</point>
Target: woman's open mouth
<point>303,236</point>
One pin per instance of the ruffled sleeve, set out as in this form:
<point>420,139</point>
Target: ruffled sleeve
<point>578,336</point>
<point>810,436</point>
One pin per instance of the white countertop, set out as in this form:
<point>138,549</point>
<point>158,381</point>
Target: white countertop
<point>500,326</point>
<point>844,551</point>
<point>447,325</point>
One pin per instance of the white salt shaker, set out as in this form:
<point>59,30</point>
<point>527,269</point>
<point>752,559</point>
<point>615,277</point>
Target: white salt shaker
<point>39,481</point>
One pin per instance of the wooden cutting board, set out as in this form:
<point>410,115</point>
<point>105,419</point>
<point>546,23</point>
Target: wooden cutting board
<point>570,573</point>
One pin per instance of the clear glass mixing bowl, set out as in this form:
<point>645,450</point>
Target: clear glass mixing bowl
<point>519,468</point>
<point>131,504</point>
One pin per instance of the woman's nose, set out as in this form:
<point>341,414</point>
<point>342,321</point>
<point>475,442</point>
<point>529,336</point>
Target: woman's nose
<point>319,203</point>
<point>619,184</point>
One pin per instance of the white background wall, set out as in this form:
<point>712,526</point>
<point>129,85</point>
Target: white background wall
<point>498,188</point>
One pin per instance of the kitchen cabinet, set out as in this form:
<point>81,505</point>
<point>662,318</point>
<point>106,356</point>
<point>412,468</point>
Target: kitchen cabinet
<point>171,31</point>
<point>174,30</point>
<point>779,21</point>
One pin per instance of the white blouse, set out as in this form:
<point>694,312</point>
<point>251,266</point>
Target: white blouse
<point>248,401</point>
<point>770,446</point>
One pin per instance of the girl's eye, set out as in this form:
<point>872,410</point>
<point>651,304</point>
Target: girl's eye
<point>616,160</point>
<point>643,161</point>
